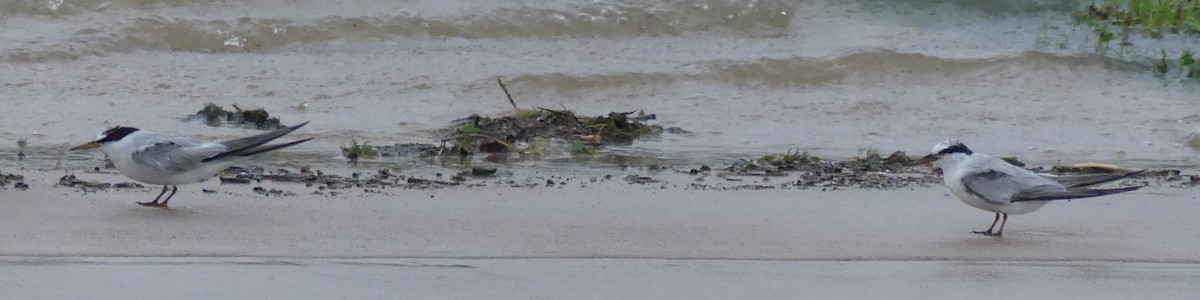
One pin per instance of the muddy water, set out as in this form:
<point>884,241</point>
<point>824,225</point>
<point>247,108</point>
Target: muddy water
<point>746,76</point>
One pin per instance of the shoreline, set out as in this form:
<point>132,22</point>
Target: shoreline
<point>606,219</point>
<point>791,170</point>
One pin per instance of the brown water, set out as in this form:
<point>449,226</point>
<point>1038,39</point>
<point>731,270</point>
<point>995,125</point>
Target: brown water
<point>1007,77</point>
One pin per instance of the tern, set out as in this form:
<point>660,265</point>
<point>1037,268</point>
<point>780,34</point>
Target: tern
<point>170,161</point>
<point>994,185</point>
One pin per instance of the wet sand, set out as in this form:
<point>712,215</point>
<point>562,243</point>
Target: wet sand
<point>217,278</point>
<point>612,220</point>
<point>605,241</point>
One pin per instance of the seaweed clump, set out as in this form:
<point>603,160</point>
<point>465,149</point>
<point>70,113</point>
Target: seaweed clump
<point>492,135</point>
<point>215,115</point>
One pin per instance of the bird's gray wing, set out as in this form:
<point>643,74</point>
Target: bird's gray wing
<point>250,145</point>
<point>175,155</point>
<point>1000,187</point>
<point>1071,193</point>
<point>1075,181</point>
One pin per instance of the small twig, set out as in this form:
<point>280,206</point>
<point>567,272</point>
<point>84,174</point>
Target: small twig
<point>510,99</point>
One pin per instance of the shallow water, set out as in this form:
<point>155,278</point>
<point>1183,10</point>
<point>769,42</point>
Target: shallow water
<point>746,76</point>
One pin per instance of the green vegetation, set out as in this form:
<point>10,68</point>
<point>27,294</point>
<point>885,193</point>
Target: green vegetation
<point>1152,18</point>
<point>354,151</point>
<point>464,139</point>
<point>1188,62</point>
<point>580,148</point>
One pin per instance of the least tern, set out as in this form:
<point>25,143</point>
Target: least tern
<point>994,185</point>
<point>170,160</point>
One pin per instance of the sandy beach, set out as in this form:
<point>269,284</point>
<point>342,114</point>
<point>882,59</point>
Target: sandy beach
<point>614,220</point>
<point>770,157</point>
<point>603,241</point>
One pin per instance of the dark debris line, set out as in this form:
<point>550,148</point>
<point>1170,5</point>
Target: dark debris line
<point>321,181</point>
<point>801,172</point>
<point>867,171</point>
<point>71,181</point>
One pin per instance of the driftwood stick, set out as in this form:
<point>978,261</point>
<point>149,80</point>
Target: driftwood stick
<point>510,99</point>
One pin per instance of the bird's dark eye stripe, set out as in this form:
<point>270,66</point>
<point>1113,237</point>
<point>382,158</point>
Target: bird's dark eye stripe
<point>116,134</point>
<point>960,148</point>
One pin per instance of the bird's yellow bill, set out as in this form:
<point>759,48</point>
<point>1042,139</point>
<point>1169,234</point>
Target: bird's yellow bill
<point>89,145</point>
<point>926,159</point>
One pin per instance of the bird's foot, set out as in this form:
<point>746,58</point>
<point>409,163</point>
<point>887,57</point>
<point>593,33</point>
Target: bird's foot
<point>153,204</point>
<point>987,233</point>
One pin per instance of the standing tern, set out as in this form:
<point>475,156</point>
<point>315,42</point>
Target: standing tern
<point>170,160</point>
<point>994,185</point>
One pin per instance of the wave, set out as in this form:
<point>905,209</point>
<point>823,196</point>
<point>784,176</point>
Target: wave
<point>257,34</point>
<point>883,64</point>
<point>864,65</point>
<point>127,25</point>
<point>51,7</point>
<point>564,83</point>
<point>85,43</point>
<point>140,25</point>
